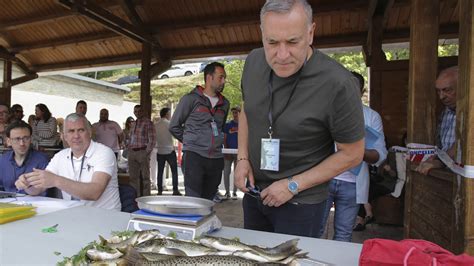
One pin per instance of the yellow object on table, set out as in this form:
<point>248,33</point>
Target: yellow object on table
<point>11,212</point>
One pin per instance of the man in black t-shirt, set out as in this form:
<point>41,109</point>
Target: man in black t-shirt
<point>298,103</point>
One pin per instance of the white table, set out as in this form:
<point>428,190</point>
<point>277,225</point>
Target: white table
<point>23,243</point>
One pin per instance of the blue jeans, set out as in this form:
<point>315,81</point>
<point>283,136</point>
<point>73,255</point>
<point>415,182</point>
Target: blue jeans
<point>343,195</point>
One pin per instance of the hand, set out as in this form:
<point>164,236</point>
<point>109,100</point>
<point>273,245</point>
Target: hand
<point>276,194</point>
<point>425,167</point>
<point>243,171</point>
<point>41,179</point>
<point>22,183</point>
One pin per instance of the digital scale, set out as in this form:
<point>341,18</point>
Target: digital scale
<point>185,227</point>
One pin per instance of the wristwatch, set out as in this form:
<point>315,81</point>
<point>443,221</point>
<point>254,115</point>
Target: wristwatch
<point>292,186</point>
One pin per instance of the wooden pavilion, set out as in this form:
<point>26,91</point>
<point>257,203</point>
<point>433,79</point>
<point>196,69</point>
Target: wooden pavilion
<point>50,35</point>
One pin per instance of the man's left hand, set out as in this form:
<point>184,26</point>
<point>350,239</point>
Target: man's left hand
<point>276,194</point>
<point>41,178</point>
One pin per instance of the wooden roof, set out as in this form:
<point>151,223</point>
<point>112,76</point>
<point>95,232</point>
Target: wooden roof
<point>65,34</point>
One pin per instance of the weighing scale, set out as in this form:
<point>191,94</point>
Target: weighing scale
<point>185,227</point>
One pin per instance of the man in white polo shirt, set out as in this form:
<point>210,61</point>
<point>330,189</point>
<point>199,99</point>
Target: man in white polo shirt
<point>87,171</point>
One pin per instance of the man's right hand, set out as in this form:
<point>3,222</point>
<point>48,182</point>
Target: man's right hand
<point>22,183</point>
<point>426,166</point>
<point>243,171</point>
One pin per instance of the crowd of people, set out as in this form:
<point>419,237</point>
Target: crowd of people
<point>299,135</point>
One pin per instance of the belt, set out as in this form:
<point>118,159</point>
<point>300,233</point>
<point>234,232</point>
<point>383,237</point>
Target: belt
<point>139,149</point>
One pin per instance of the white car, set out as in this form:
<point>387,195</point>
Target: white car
<point>178,71</point>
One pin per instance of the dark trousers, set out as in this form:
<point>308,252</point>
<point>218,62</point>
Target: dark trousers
<point>292,219</point>
<point>202,175</point>
<point>171,159</point>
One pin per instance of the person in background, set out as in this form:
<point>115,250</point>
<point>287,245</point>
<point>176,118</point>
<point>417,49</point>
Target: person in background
<point>142,142</point>
<point>81,107</point>
<point>129,123</point>
<point>230,141</point>
<point>446,87</point>
<point>21,159</point>
<point>108,132</point>
<point>87,171</point>
<point>4,113</point>
<point>198,123</point>
<point>349,189</point>
<point>45,128</point>
<point>165,151</point>
<point>32,120</point>
<point>16,113</point>
<point>297,102</point>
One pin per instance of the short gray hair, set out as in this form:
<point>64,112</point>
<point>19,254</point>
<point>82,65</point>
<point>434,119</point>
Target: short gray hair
<point>285,6</point>
<point>73,117</point>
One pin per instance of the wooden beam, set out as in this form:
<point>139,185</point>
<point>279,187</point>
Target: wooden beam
<point>4,54</point>
<point>249,19</point>
<point>105,61</point>
<point>22,79</point>
<point>6,89</point>
<point>107,19</point>
<point>424,21</point>
<point>62,43</point>
<point>464,227</point>
<point>34,21</point>
<point>129,8</point>
<point>145,95</point>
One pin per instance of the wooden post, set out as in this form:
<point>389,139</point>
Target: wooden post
<point>145,96</point>
<point>464,223</point>
<point>6,89</point>
<point>421,118</point>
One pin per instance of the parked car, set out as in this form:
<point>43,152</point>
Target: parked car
<point>179,71</point>
<point>127,79</point>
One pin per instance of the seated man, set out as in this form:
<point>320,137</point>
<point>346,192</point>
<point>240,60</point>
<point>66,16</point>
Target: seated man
<point>446,86</point>
<point>87,171</point>
<point>22,158</point>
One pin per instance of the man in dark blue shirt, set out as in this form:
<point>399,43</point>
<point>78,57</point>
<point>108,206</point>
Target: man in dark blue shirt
<point>230,141</point>
<point>21,159</point>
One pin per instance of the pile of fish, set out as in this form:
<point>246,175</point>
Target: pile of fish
<point>152,248</point>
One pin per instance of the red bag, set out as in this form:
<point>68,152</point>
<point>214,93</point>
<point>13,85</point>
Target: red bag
<point>384,252</point>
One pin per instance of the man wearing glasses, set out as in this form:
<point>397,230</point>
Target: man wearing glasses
<point>21,159</point>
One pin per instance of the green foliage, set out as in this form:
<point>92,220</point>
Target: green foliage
<point>232,89</point>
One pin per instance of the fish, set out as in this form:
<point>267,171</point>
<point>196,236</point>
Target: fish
<point>238,248</point>
<point>136,238</point>
<point>115,262</point>
<point>176,247</point>
<point>99,255</point>
<point>133,257</point>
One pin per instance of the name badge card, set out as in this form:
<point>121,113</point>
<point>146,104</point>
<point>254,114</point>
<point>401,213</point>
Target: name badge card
<point>270,154</point>
<point>215,132</point>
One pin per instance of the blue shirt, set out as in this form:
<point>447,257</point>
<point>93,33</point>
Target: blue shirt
<point>10,171</point>
<point>230,129</point>
<point>446,129</point>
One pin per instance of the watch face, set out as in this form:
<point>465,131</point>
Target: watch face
<point>293,186</point>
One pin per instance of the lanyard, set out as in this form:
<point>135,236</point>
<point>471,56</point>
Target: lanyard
<point>272,119</point>
<point>82,165</point>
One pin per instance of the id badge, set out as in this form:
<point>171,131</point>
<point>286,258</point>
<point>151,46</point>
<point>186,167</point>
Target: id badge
<point>215,132</point>
<point>270,154</point>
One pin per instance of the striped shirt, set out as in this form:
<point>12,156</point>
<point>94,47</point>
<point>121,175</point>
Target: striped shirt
<point>45,133</point>
<point>446,129</point>
<point>142,135</point>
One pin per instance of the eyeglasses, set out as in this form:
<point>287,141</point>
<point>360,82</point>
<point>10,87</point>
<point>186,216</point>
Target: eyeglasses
<point>24,139</point>
<point>18,111</point>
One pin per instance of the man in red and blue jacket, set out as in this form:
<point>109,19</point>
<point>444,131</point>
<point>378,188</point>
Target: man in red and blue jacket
<point>198,123</point>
